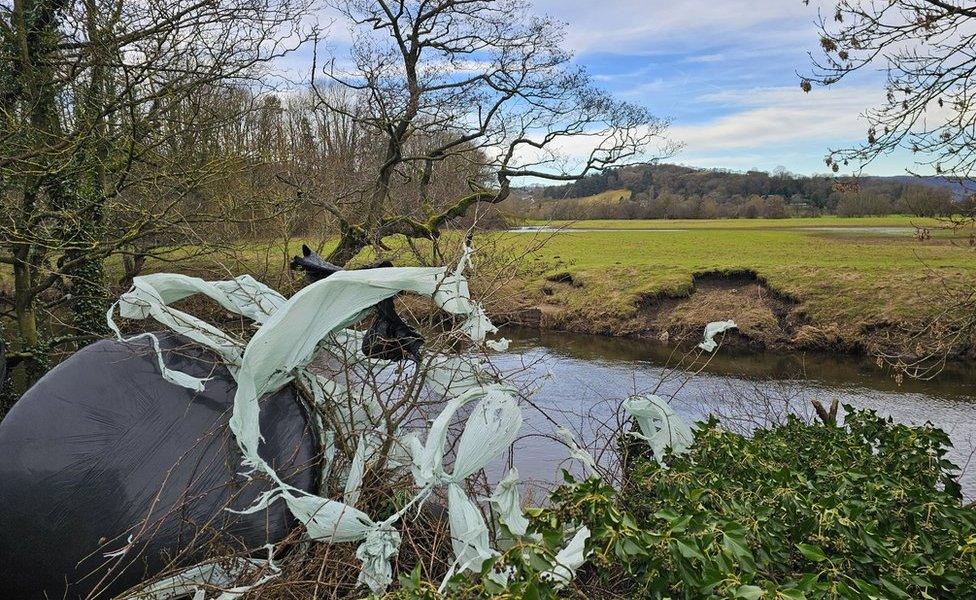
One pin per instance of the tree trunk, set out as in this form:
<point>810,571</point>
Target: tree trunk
<point>351,242</point>
<point>28,336</point>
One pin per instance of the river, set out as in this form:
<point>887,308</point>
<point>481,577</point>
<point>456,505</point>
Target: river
<point>579,380</point>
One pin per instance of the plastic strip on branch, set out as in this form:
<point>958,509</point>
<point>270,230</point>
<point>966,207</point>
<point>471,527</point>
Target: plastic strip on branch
<point>491,428</point>
<point>150,296</point>
<point>505,498</point>
<point>659,425</point>
<point>568,559</point>
<point>575,451</point>
<point>286,342</point>
<point>365,450</point>
<point>290,334</point>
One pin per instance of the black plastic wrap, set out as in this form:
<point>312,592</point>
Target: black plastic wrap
<point>102,447</point>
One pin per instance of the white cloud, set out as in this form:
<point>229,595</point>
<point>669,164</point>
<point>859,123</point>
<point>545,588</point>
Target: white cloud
<point>779,116</point>
<point>766,127</point>
<point>642,25</point>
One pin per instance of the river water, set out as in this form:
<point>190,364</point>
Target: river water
<point>579,381</point>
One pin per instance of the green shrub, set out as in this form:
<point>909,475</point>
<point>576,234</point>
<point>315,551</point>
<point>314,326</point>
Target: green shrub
<point>866,510</point>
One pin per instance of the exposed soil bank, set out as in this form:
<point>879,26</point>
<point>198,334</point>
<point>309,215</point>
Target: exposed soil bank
<point>767,318</point>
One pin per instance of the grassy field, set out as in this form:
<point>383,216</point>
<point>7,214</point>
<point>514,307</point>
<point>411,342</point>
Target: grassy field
<point>826,282</point>
<point>607,197</point>
<point>842,275</point>
<point>725,224</point>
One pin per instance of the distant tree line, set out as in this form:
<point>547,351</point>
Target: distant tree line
<point>664,191</point>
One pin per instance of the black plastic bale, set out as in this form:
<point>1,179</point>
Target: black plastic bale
<point>102,447</point>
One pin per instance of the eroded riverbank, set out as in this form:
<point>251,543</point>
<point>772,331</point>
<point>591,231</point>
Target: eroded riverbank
<point>854,286</point>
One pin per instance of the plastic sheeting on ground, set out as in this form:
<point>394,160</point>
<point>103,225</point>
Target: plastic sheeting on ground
<point>108,472</point>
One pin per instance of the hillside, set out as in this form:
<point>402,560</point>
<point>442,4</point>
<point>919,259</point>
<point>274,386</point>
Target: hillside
<point>674,191</point>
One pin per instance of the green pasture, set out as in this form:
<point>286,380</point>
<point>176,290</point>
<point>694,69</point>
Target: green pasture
<point>841,270</point>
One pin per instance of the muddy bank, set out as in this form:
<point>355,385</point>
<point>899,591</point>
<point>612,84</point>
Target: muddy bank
<point>768,319</point>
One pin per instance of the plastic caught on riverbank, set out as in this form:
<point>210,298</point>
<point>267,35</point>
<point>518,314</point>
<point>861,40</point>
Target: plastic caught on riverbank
<point>507,502</point>
<point>315,320</point>
<point>712,330</point>
<point>659,425</point>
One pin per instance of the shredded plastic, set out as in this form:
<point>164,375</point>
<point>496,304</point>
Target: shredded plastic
<point>569,559</point>
<point>507,502</point>
<point>659,425</point>
<point>291,332</point>
<point>712,330</point>
<point>577,452</point>
<point>198,579</point>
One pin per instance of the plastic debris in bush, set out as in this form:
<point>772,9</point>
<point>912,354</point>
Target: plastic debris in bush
<point>290,335</point>
<point>659,425</point>
<point>292,332</point>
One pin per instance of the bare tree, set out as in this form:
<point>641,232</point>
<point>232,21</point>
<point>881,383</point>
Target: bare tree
<point>480,83</point>
<point>110,115</point>
<point>927,49</point>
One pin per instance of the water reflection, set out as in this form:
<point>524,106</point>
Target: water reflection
<point>824,369</point>
<point>580,379</point>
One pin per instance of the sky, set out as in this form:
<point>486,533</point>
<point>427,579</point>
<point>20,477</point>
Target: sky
<point>727,72</point>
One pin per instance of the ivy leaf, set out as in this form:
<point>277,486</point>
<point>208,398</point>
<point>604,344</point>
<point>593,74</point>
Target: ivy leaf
<point>689,550</point>
<point>811,552</point>
<point>749,592</point>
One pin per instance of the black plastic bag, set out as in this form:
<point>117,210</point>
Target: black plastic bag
<point>102,447</point>
<point>389,337</point>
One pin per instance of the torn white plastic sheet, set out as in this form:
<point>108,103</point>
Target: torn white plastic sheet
<point>469,533</point>
<point>454,296</point>
<point>568,559</point>
<point>659,425</point>
<point>291,333</point>
<point>499,345</point>
<point>380,546</point>
<point>506,501</point>
<point>451,376</point>
<point>490,429</point>
<point>151,295</point>
<point>713,329</point>
<point>575,451</point>
<point>365,450</point>
<point>288,339</point>
<point>199,579</point>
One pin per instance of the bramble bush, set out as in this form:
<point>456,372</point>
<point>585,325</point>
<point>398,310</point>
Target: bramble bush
<point>869,509</point>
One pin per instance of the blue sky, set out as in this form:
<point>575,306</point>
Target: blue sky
<point>727,72</point>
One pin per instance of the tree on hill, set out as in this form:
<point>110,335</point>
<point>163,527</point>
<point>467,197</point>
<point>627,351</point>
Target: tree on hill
<point>662,191</point>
